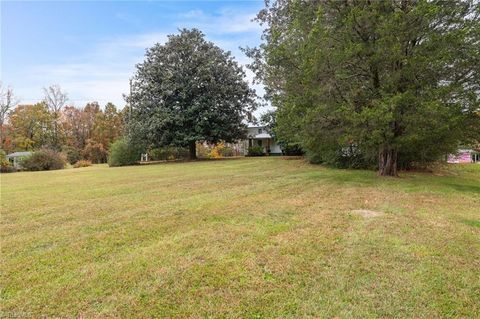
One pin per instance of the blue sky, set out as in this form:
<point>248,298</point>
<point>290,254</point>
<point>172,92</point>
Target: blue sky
<point>90,48</point>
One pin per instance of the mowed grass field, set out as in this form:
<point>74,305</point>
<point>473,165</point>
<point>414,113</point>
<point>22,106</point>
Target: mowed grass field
<point>245,238</point>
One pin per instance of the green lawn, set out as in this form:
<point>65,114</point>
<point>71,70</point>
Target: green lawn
<point>246,238</point>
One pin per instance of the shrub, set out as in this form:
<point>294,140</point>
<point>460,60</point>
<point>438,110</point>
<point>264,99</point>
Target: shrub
<point>72,154</point>
<point>293,150</point>
<point>44,160</point>
<point>95,152</point>
<point>5,166</point>
<point>216,151</point>
<point>123,153</point>
<point>255,151</point>
<point>82,163</point>
<point>227,151</point>
<point>203,150</point>
<point>169,153</point>
<point>220,150</point>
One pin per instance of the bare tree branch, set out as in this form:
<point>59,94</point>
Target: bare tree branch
<point>7,102</point>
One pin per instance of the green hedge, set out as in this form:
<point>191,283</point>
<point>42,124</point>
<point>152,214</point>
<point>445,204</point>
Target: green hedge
<point>123,153</point>
<point>255,151</point>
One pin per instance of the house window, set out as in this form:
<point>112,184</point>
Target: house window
<point>259,142</point>
<point>259,131</point>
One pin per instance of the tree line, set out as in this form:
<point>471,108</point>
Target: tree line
<point>385,85</point>
<point>79,132</point>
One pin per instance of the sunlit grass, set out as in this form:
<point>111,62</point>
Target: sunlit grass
<point>247,238</point>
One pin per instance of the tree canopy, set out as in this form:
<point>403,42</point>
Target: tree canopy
<point>188,90</point>
<point>363,83</point>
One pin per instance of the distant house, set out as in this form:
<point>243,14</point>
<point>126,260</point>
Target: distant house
<point>16,158</point>
<point>464,156</point>
<point>259,136</point>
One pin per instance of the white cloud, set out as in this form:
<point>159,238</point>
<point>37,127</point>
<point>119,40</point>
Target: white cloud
<point>102,73</point>
<point>224,21</point>
<point>193,14</point>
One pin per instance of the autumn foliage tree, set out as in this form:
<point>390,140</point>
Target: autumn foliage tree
<point>31,126</point>
<point>84,132</point>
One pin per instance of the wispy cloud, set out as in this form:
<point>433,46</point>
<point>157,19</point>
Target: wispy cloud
<point>225,21</point>
<point>99,74</point>
<point>102,73</point>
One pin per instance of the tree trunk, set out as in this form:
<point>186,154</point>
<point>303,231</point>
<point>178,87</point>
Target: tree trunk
<point>193,150</point>
<point>387,161</point>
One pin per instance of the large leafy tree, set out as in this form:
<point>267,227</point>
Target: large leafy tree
<point>389,82</point>
<point>188,90</point>
<point>79,123</point>
<point>31,126</point>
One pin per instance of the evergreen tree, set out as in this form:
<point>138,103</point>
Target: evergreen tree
<point>188,90</point>
<point>360,83</point>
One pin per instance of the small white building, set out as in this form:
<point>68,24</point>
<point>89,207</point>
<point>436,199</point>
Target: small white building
<point>16,158</point>
<point>259,136</point>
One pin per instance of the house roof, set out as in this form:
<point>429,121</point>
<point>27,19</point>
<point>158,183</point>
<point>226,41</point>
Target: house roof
<point>263,135</point>
<point>19,154</point>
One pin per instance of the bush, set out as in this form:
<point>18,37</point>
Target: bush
<point>82,163</point>
<point>220,150</point>
<point>44,160</point>
<point>72,154</point>
<point>227,151</point>
<point>203,150</point>
<point>5,166</point>
<point>123,153</point>
<point>216,151</point>
<point>293,150</point>
<point>169,153</point>
<point>95,152</point>
<point>255,151</point>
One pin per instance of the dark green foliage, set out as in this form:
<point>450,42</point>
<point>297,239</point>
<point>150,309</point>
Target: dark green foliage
<point>292,150</point>
<point>188,90</point>
<point>269,121</point>
<point>72,154</point>
<point>123,153</point>
<point>389,83</point>
<point>169,153</point>
<point>44,160</point>
<point>255,151</point>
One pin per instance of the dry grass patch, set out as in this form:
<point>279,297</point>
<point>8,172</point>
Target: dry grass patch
<point>366,213</point>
